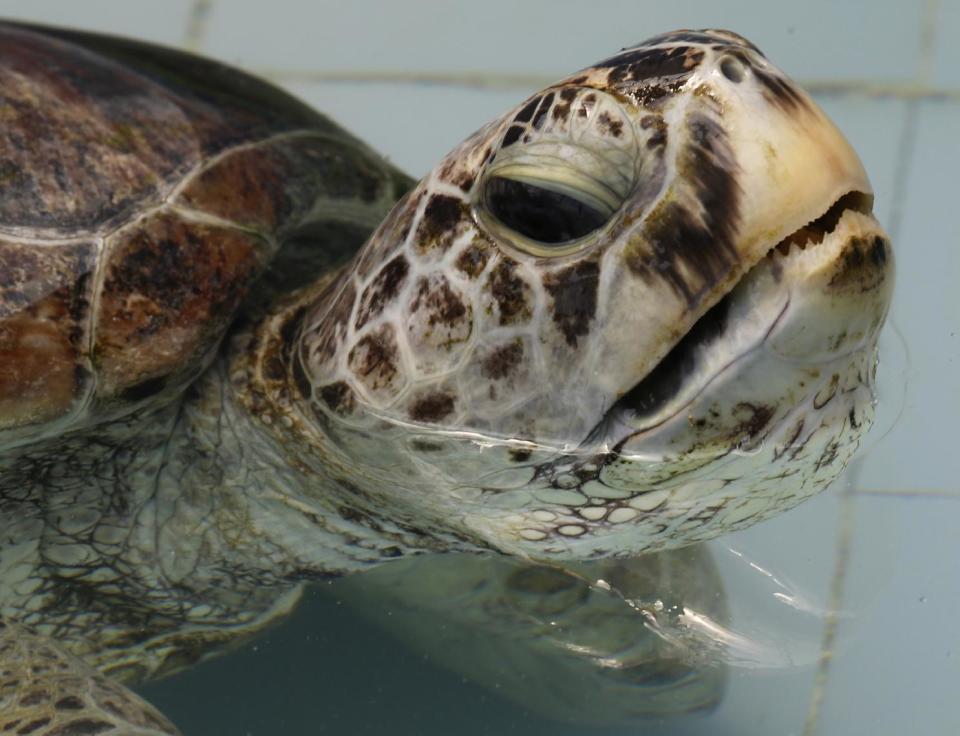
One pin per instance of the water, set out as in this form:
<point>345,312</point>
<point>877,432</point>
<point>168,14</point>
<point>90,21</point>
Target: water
<point>839,616</point>
<point>786,624</point>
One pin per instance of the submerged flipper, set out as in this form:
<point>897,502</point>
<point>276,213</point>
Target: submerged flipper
<point>607,642</point>
<point>44,691</point>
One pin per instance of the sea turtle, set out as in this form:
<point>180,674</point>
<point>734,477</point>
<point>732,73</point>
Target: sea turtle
<point>637,311</point>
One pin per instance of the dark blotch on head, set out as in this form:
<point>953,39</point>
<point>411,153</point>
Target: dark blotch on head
<point>440,302</point>
<point>676,63</point>
<point>338,397</point>
<point>441,217</point>
<point>512,136</point>
<point>561,110</point>
<point>541,115</point>
<point>878,251</point>
<point>527,111</point>
<point>520,455</point>
<point>503,360</point>
<point>374,357</point>
<point>574,292</point>
<point>472,260</point>
<point>755,418</point>
<point>658,136</point>
<point>382,290</point>
<point>608,126</point>
<point>693,251</point>
<point>510,292</point>
<point>326,336</point>
<point>862,268</point>
<point>587,104</point>
<point>465,181</point>
<point>853,257</point>
<point>432,407</point>
<point>453,173</point>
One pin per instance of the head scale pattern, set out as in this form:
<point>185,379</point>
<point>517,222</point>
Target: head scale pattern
<point>439,322</point>
<point>523,291</point>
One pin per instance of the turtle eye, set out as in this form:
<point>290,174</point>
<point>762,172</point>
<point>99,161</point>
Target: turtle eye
<point>541,213</point>
<point>555,189</point>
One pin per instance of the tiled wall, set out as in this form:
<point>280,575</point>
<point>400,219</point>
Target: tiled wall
<point>881,551</point>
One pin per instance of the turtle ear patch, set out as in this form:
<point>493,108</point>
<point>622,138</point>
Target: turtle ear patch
<point>689,241</point>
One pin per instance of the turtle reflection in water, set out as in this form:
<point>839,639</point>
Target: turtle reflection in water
<point>240,352</point>
<point>601,642</point>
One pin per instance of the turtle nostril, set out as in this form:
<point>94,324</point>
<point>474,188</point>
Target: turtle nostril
<point>732,68</point>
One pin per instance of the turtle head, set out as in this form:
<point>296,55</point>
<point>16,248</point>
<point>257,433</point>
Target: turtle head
<point>638,310</point>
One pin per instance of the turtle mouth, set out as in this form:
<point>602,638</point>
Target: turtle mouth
<point>673,375</point>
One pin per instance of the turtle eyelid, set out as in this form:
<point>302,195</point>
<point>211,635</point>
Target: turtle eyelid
<point>541,214</point>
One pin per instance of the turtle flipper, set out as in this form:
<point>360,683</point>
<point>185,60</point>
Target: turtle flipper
<point>604,642</point>
<point>44,691</point>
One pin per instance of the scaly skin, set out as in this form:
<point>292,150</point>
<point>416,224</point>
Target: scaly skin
<point>45,690</point>
<point>503,365</point>
<point>470,380</point>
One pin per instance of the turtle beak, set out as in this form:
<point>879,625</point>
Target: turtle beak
<point>800,165</point>
<point>813,294</point>
<point>765,166</point>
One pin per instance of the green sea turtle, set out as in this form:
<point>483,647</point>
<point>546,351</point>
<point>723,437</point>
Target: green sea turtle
<point>240,352</point>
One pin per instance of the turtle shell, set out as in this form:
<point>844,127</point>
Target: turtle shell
<point>144,192</point>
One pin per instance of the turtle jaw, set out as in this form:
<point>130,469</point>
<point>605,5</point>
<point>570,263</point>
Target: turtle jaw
<point>811,308</point>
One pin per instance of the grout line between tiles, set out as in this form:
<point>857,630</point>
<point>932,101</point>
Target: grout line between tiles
<point>494,81</point>
<point>928,41</point>
<point>197,24</point>
<point>834,602</point>
<point>908,493</point>
<point>902,168</point>
<point>901,177</point>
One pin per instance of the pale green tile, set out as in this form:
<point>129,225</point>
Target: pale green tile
<point>873,127</point>
<point>946,71</point>
<point>915,448</point>
<point>817,39</point>
<point>896,665</point>
<point>164,22</point>
<point>413,125</point>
